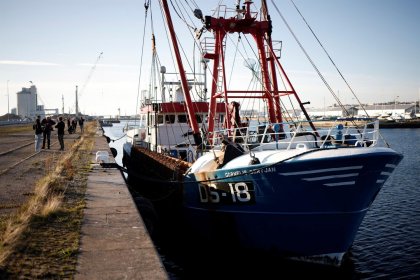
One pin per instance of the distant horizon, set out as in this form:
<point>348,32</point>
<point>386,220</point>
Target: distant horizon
<point>308,108</point>
<point>334,104</point>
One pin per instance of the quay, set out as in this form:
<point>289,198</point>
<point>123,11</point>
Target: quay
<point>113,243</point>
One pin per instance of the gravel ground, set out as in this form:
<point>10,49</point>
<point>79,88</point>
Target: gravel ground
<point>21,167</point>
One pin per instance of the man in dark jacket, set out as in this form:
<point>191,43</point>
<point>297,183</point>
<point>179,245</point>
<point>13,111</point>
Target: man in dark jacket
<point>38,134</point>
<point>81,122</point>
<point>60,132</point>
<point>48,127</point>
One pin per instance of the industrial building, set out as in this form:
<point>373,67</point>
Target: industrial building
<point>27,104</point>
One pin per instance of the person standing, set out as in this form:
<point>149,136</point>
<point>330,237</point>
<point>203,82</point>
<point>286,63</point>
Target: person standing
<point>60,132</point>
<point>48,127</point>
<point>74,124</point>
<point>38,133</point>
<point>81,121</point>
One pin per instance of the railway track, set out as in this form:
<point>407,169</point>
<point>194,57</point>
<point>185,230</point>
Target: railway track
<point>15,156</point>
<point>27,143</point>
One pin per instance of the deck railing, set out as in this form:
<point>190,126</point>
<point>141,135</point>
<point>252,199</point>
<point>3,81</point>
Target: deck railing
<point>298,135</point>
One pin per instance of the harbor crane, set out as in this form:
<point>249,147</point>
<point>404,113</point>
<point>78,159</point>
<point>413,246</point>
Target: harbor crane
<point>78,95</point>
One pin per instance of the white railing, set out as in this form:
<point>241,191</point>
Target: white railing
<point>291,135</point>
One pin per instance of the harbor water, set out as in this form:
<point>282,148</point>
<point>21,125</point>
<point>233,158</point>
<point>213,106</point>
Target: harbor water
<point>387,245</point>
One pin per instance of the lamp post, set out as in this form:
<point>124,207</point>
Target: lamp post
<point>8,109</point>
<point>395,106</point>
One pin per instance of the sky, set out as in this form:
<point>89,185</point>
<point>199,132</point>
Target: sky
<point>56,44</point>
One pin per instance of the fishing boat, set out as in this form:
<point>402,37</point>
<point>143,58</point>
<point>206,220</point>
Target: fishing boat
<point>104,123</point>
<point>265,180</point>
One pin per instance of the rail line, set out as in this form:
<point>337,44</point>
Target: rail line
<point>17,148</point>
<point>22,160</point>
<point>17,163</point>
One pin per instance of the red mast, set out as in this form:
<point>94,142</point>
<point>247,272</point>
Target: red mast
<point>184,83</point>
<point>246,22</point>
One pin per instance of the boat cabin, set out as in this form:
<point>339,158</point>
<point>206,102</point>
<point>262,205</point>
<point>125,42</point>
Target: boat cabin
<point>164,127</point>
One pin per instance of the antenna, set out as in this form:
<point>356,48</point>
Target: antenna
<point>77,104</point>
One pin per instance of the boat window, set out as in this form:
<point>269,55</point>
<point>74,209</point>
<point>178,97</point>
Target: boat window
<point>160,119</point>
<point>221,118</point>
<point>169,118</point>
<point>199,118</point>
<point>182,118</point>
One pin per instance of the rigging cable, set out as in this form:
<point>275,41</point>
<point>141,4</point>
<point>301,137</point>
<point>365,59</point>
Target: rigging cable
<point>311,61</point>
<point>339,72</point>
<point>182,18</point>
<point>348,85</point>
<point>234,59</point>
<point>146,6</point>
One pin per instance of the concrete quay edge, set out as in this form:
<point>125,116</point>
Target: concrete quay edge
<point>115,243</point>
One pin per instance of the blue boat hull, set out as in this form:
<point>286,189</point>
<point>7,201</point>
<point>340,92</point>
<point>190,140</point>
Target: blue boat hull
<point>298,208</point>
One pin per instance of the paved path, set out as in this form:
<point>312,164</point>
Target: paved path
<point>115,243</point>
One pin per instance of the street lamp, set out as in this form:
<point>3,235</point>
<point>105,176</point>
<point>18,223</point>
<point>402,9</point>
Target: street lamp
<point>8,110</point>
<point>395,105</point>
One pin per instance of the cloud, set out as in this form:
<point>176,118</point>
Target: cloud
<point>27,63</point>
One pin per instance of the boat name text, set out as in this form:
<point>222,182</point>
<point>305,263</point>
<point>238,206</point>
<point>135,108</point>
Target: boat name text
<point>251,171</point>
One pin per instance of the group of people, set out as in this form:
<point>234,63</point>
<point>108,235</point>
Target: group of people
<point>72,125</point>
<point>44,127</point>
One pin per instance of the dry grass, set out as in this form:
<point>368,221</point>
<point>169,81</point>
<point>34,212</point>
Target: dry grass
<point>10,129</point>
<point>52,205</point>
<point>42,240</point>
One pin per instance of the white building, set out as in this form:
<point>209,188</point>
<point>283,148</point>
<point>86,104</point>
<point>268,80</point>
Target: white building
<point>27,103</point>
<point>403,110</point>
<point>330,112</point>
<point>373,111</point>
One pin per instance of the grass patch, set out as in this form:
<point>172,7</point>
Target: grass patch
<point>10,129</point>
<point>42,239</point>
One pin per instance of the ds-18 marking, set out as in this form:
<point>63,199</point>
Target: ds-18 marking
<point>227,193</point>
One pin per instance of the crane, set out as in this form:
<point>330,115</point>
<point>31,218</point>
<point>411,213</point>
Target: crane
<point>78,95</point>
<point>90,74</point>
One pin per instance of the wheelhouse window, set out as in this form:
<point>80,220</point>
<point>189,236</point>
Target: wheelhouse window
<point>221,118</point>
<point>199,118</point>
<point>160,119</point>
<point>182,118</point>
<point>169,118</point>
